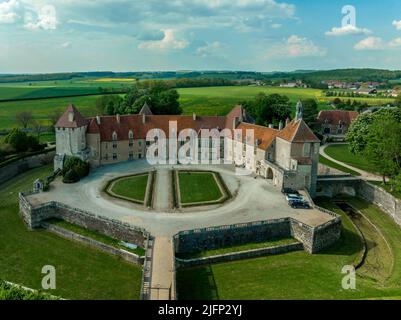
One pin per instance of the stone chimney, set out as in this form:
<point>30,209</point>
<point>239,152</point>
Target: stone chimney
<point>287,121</point>
<point>98,120</point>
<point>144,118</point>
<point>235,122</point>
<point>118,118</point>
<point>281,125</point>
<point>194,116</point>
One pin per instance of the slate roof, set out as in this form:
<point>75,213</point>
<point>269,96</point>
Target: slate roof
<point>77,120</point>
<point>337,116</point>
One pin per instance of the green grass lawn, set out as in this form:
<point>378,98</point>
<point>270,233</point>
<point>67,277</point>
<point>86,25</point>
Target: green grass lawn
<point>341,153</point>
<point>299,275</point>
<point>95,236</point>
<point>239,248</point>
<point>82,272</point>
<point>334,165</point>
<point>198,187</point>
<point>131,187</point>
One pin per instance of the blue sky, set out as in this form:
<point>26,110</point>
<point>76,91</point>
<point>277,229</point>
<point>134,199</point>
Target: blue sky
<point>262,35</point>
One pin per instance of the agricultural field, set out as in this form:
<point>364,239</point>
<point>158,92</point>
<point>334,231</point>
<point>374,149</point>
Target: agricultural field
<point>299,275</point>
<point>202,101</point>
<point>82,272</point>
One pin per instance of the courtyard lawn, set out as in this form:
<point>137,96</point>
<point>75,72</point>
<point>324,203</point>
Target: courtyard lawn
<point>341,153</point>
<point>239,248</point>
<point>132,188</point>
<point>337,166</point>
<point>82,272</point>
<point>198,187</point>
<point>299,275</point>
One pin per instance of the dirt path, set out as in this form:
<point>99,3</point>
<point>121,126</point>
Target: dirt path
<point>364,174</point>
<point>162,202</point>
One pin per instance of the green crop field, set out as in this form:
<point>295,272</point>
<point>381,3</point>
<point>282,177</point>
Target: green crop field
<point>202,101</point>
<point>81,272</point>
<point>299,275</point>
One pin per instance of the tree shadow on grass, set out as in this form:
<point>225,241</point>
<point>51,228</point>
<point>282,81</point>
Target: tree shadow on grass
<point>197,284</point>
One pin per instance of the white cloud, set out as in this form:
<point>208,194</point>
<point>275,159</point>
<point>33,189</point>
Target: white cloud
<point>210,49</point>
<point>395,43</point>
<point>295,47</point>
<point>276,25</point>
<point>370,43</point>
<point>397,24</point>
<point>46,19</point>
<point>10,11</point>
<point>347,30</point>
<point>65,45</point>
<point>168,42</point>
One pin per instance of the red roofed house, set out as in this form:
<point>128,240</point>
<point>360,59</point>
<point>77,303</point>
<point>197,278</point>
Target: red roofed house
<point>287,155</point>
<point>335,122</point>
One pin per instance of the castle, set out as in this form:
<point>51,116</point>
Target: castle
<point>288,155</point>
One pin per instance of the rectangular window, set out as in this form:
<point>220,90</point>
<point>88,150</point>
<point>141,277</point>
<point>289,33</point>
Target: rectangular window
<point>140,156</point>
<point>131,156</point>
<point>307,150</point>
<point>114,156</point>
<point>131,143</point>
<point>114,145</point>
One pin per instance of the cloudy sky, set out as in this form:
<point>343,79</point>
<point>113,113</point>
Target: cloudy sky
<point>261,35</point>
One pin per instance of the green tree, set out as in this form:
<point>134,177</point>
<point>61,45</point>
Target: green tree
<point>357,135</point>
<point>383,146</point>
<point>310,111</point>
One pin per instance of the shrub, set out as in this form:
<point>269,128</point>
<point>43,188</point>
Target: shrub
<point>75,166</point>
<point>71,176</point>
<point>22,142</point>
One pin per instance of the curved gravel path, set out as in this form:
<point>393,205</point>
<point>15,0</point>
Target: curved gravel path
<point>363,174</point>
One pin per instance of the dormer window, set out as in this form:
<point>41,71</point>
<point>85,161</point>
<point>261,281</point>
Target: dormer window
<point>71,117</point>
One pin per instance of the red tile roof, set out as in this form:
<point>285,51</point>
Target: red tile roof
<point>264,136</point>
<point>337,116</point>
<point>77,119</point>
<point>298,131</point>
<point>109,124</point>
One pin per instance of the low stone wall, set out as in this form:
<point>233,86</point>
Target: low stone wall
<point>224,236</point>
<point>381,198</point>
<point>313,239</point>
<point>249,254</point>
<point>20,166</point>
<point>35,216</point>
<point>128,256</point>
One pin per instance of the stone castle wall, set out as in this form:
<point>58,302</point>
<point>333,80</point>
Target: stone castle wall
<point>313,239</point>
<point>34,216</point>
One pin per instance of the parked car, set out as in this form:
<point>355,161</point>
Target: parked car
<point>294,197</point>
<point>299,205</point>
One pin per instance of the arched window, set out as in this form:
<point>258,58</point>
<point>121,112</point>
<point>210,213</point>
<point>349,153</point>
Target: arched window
<point>114,136</point>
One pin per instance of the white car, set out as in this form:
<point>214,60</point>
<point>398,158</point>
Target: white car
<point>294,197</point>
